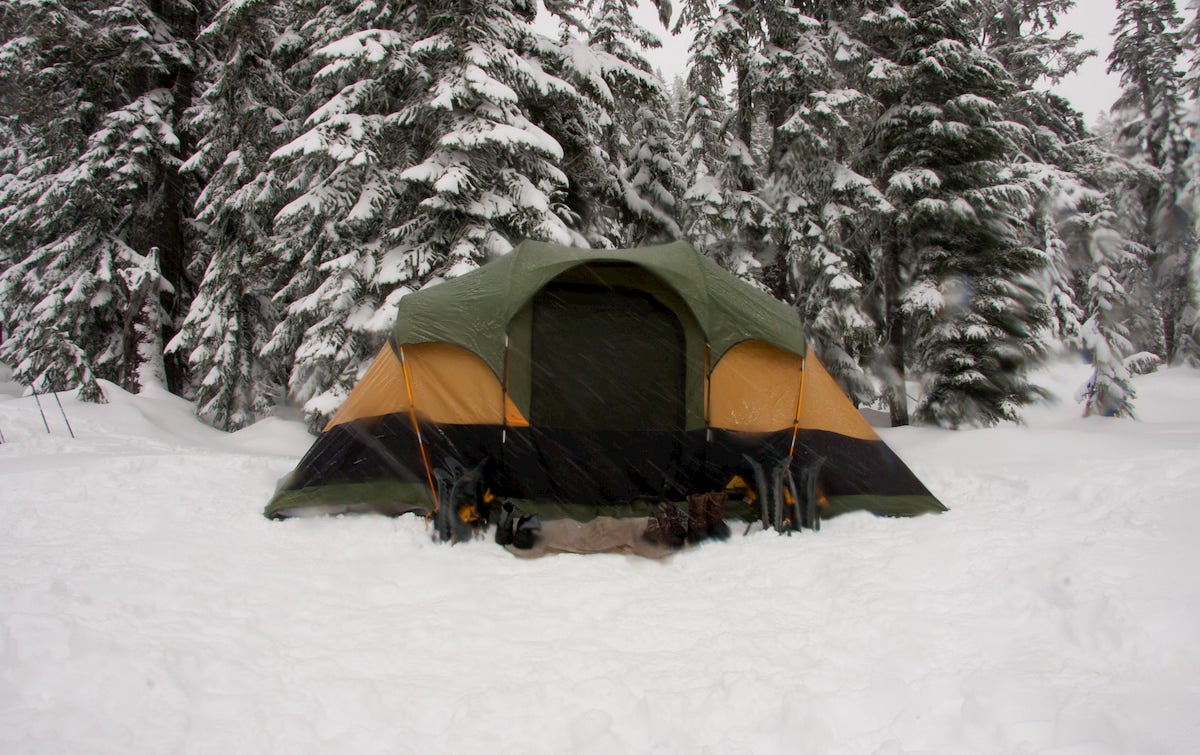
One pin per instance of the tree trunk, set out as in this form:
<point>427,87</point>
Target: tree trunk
<point>134,311</point>
<point>897,395</point>
<point>172,244</point>
<point>745,114</point>
<point>173,261</point>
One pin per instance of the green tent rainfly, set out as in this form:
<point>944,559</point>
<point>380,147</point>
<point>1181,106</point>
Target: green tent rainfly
<point>591,386</point>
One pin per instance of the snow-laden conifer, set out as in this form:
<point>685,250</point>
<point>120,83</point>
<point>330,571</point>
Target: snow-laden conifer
<point>98,198</point>
<point>340,170</point>
<point>1101,256</point>
<point>705,113</point>
<point>419,157</point>
<point>728,37</point>
<point>1189,333</point>
<point>1060,157</point>
<point>653,177</point>
<point>241,119</point>
<point>956,265</point>
<point>1147,53</point>
<point>1066,317</point>
<point>629,171</point>
<point>826,212</point>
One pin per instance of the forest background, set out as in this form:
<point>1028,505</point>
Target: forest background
<point>231,199</point>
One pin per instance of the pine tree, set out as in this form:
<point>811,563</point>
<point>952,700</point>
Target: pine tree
<point>419,159</point>
<point>635,168</point>
<point>96,216</point>
<point>575,112</point>
<point>1189,336</point>
<point>653,179</point>
<point>703,142</point>
<point>1125,183</point>
<point>1060,157</point>
<point>1109,392</point>
<point>825,208</point>
<point>956,271</point>
<point>241,120</point>
<point>728,38</point>
<point>1091,230</point>
<point>1066,317</point>
<point>748,216</point>
<point>1147,54</point>
<point>355,74</point>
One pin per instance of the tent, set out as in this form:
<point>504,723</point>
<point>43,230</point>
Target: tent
<point>585,384</point>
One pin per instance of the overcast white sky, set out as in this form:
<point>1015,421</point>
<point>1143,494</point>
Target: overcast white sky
<point>1091,90</point>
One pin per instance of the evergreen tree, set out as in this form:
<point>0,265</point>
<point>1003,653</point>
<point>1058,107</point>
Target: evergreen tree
<point>825,209</point>
<point>355,74</point>
<point>1090,228</point>
<point>1066,317</point>
<point>1023,36</point>
<point>1137,273</point>
<point>728,38</point>
<point>96,215</point>
<point>956,270</point>
<point>1109,392</point>
<point>1189,337</point>
<point>1146,53</point>
<point>419,159</point>
<point>653,178</point>
<point>241,120</point>
<point>703,143</point>
<point>1060,157</point>
<point>576,112</point>
<point>639,175</point>
<point>739,33</point>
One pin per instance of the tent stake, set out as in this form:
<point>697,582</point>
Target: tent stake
<point>39,403</point>
<point>64,414</point>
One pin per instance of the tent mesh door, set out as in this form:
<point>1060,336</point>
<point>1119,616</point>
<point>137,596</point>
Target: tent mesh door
<point>605,359</point>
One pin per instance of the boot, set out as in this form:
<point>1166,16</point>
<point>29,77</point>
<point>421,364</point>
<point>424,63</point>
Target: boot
<point>504,528</point>
<point>697,524</point>
<point>671,531</point>
<point>714,514</point>
<point>653,532</point>
<point>526,532</point>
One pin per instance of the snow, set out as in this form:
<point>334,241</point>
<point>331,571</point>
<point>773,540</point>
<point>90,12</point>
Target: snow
<point>371,45</point>
<point>147,606</point>
<point>915,179</point>
<point>585,62</point>
<point>514,136</point>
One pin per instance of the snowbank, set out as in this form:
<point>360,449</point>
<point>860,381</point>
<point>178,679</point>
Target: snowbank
<point>146,606</point>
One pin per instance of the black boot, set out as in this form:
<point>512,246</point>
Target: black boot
<point>526,532</point>
<point>504,528</point>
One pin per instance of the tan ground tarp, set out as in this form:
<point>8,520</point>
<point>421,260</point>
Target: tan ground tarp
<point>604,534</point>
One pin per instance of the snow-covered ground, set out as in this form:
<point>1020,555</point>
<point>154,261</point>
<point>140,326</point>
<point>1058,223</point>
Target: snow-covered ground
<point>147,607</point>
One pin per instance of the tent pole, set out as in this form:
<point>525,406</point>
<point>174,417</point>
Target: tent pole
<point>502,462</point>
<point>412,413</point>
<point>504,396</point>
<point>799,404</point>
<point>707,392</point>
